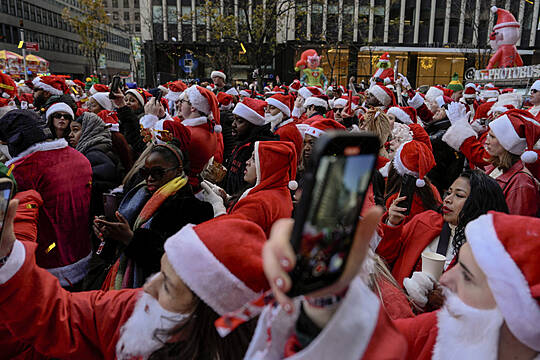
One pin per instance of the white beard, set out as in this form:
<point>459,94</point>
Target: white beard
<point>466,332</point>
<point>138,336</point>
<point>274,120</point>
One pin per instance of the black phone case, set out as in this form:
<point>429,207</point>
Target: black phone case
<point>301,284</point>
<point>408,187</point>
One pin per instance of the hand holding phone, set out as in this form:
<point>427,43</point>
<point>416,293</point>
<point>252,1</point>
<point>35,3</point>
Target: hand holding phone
<point>408,188</point>
<point>336,182</point>
<point>115,87</point>
<point>8,209</point>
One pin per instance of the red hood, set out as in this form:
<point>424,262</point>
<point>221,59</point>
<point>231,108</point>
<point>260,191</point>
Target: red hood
<point>275,164</point>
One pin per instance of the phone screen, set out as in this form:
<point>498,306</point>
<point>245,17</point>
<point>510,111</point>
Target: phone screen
<point>6,191</point>
<point>339,186</point>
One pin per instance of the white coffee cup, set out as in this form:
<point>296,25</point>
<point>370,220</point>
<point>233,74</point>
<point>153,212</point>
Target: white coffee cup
<point>433,264</point>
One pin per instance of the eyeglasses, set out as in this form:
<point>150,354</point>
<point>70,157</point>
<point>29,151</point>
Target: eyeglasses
<point>534,91</point>
<point>60,116</point>
<point>157,172</point>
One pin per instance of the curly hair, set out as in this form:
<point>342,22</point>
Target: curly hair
<point>377,122</point>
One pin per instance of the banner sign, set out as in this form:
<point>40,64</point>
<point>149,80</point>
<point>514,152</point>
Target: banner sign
<point>521,72</point>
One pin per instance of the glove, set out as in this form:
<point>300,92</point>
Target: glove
<point>418,287</point>
<point>208,195</point>
<point>456,112</point>
<point>403,81</point>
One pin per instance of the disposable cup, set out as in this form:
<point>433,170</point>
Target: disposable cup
<point>433,264</point>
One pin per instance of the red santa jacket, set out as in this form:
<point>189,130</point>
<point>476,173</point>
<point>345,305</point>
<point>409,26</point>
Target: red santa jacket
<point>520,190</point>
<point>63,178</point>
<point>421,335</point>
<point>25,224</point>
<point>203,144</point>
<point>60,324</point>
<point>401,246</point>
<point>288,131</point>
<point>312,119</point>
<point>270,199</point>
<point>386,75</point>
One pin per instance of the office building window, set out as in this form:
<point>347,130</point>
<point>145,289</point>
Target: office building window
<point>114,3</point>
<point>137,28</point>
<point>137,16</point>
<point>136,4</point>
<point>115,15</point>
<point>126,15</point>
<point>126,4</point>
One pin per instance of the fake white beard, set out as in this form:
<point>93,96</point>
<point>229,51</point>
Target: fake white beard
<point>465,332</point>
<point>274,120</point>
<point>138,336</point>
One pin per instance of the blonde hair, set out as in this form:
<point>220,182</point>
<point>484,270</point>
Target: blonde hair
<point>377,122</point>
<point>504,161</point>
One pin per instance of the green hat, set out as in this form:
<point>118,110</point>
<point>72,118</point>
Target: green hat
<point>455,84</point>
<point>5,172</point>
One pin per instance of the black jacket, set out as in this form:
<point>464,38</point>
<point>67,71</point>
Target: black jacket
<point>146,247</point>
<point>226,118</point>
<point>131,129</point>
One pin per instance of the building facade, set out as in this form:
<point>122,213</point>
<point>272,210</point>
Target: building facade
<point>431,39</point>
<point>58,43</point>
<point>125,14</point>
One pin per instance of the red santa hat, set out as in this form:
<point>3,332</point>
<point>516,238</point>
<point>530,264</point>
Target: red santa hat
<point>282,102</point>
<point>55,85</point>
<point>414,158</point>
<point>98,88</point>
<point>275,165</point>
<point>309,91</point>
<point>251,110</point>
<point>384,58</point>
<point>220,261</point>
<point>508,259</point>
<point>141,95</point>
<point>176,88</point>
<point>341,102</point>
<point>504,19</point>
<point>102,98</point>
<point>434,92</point>
<point>383,94</point>
<point>317,128</point>
<point>517,131</point>
<point>204,101</point>
<point>79,83</point>
<point>405,114</point>
<point>181,133</point>
<point>225,101</point>
<point>482,112</point>
<point>500,108</point>
<point>317,100</point>
<point>57,107</point>
<point>7,86</point>
<point>536,85</point>
<point>470,91</point>
<point>110,118</point>
<point>490,92</point>
<point>218,73</point>
<point>295,86</point>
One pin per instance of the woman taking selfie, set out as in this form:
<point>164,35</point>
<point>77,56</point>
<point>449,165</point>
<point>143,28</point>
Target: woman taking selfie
<point>472,194</point>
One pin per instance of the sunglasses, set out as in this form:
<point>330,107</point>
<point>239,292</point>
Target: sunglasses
<point>64,116</point>
<point>156,172</point>
<point>534,91</point>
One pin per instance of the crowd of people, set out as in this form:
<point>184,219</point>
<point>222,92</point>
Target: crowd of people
<point>155,223</point>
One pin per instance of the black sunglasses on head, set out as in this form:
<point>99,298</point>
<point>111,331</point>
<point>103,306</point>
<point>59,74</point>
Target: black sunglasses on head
<point>157,172</point>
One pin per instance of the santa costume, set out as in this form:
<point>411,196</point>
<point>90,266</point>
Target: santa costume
<point>225,271</point>
<point>504,256</point>
<point>284,125</point>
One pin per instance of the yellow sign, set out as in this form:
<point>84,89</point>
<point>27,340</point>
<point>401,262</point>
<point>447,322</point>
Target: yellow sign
<point>21,44</point>
<point>243,49</point>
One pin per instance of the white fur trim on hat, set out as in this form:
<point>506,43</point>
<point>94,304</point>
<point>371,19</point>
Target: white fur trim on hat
<point>400,114</point>
<point>340,102</point>
<point>489,94</point>
<point>507,283</point>
<point>457,134</point>
<point>302,128</point>
<point>197,100</point>
<point>416,101</point>
<point>173,95</point>
<point>507,136</point>
<point>103,100</point>
<point>46,87</point>
<point>304,92</point>
<point>204,274</point>
<point>313,131</point>
<point>497,108</point>
<point>281,106</point>
<point>315,101</point>
<point>399,166</point>
<point>137,95</point>
<point>218,74</point>
<point>59,106</point>
<point>536,85</point>
<point>247,113</point>
<point>380,94</point>
<point>433,93</point>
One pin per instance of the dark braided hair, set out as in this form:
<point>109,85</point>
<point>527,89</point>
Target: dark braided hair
<point>485,195</point>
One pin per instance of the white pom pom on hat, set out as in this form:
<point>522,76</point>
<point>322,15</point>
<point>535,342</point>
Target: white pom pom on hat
<point>529,157</point>
<point>494,9</point>
<point>293,185</point>
<point>420,183</point>
<point>218,128</point>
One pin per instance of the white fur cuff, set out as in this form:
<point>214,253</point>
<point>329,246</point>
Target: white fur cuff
<point>14,262</point>
<point>457,134</point>
<point>416,101</point>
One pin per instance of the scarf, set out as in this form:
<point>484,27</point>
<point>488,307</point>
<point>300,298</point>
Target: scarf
<point>94,132</point>
<point>125,273</point>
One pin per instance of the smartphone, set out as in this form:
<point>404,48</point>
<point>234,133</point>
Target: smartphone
<point>158,97</point>
<point>408,187</point>
<point>115,86</point>
<point>335,184</point>
<point>110,204</point>
<point>7,189</point>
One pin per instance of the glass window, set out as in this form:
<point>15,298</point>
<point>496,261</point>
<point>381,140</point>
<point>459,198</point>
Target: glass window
<point>137,28</point>
<point>115,15</point>
<point>114,3</point>
<point>136,4</point>
<point>157,14</point>
<point>137,16</point>
<point>172,18</point>
<point>126,15</point>
<point>38,15</point>
<point>126,4</point>
<point>32,13</point>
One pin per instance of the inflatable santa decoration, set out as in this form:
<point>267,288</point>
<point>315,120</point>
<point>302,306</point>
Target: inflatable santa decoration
<point>503,39</point>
